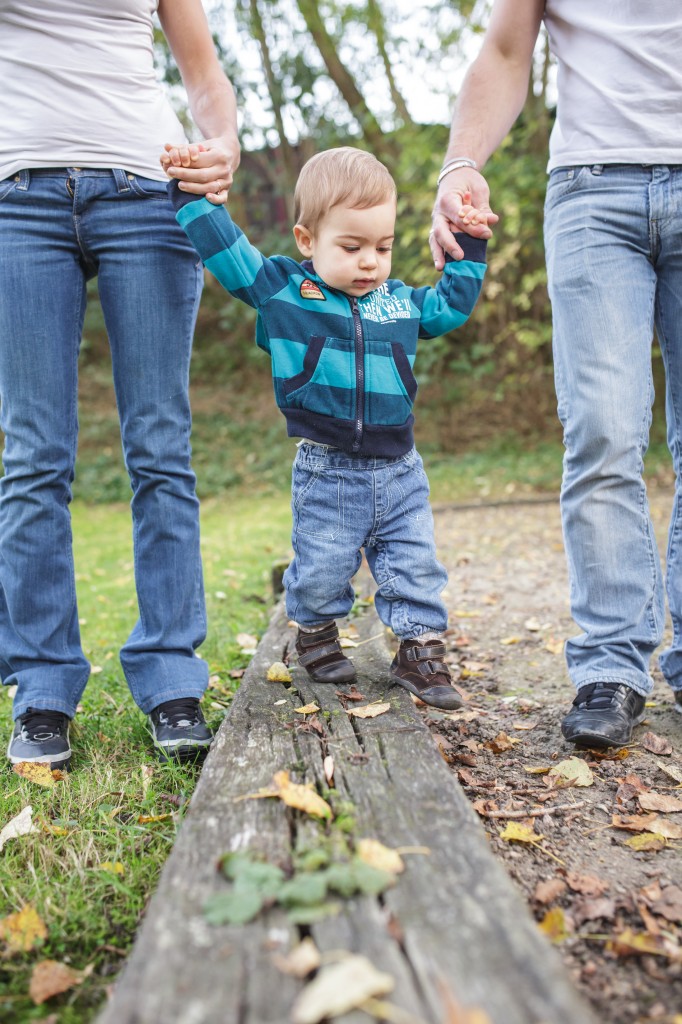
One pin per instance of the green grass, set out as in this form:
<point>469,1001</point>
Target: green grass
<point>91,914</point>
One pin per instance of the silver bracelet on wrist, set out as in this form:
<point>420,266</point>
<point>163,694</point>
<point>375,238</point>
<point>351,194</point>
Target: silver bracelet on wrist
<point>454,165</point>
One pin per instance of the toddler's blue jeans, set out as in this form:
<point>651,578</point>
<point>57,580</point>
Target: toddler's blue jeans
<point>342,504</point>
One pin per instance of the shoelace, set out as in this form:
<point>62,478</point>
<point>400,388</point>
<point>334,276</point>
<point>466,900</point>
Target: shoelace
<point>596,696</point>
<point>184,712</point>
<point>41,724</point>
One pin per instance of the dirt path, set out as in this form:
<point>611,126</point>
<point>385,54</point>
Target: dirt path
<point>615,912</point>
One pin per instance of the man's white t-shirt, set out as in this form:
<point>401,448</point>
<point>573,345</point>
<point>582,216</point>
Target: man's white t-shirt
<point>79,88</point>
<point>619,81</point>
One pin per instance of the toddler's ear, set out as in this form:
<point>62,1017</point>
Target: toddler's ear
<point>304,240</point>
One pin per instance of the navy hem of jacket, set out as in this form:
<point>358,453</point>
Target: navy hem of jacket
<point>383,441</point>
<point>178,197</point>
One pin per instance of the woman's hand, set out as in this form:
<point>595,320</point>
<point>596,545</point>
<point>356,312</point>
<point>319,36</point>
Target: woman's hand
<point>204,168</point>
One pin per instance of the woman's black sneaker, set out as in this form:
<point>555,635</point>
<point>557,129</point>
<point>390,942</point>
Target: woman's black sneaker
<point>179,730</point>
<point>41,737</point>
<point>603,715</point>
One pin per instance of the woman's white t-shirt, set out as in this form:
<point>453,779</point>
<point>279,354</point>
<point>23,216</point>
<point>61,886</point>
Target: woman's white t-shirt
<point>79,87</point>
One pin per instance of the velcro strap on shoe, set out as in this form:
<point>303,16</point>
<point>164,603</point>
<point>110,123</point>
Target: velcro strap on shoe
<point>318,636</point>
<point>433,652</point>
<point>310,657</point>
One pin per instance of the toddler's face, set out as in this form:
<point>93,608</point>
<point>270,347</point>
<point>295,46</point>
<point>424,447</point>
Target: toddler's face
<point>351,248</point>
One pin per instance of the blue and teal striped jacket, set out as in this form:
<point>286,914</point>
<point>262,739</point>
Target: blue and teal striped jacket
<point>341,366</point>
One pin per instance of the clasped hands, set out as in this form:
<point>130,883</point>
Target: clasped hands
<point>201,168</point>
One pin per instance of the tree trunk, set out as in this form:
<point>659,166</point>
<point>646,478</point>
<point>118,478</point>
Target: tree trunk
<point>377,23</point>
<point>340,74</point>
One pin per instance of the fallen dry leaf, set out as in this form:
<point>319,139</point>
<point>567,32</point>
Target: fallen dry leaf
<point>671,770</point>
<point>339,988</point>
<point>303,958</point>
<point>501,743</point>
<point>515,832</point>
<point>20,825</point>
<point>146,819</point>
<point>669,904</point>
<point>279,673</point>
<point>633,822</point>
<point>555,646</point>
<point>507,641</point>
<point>307,709</point>
<point>656,744</point>
<point>371,851</point>
<point>591,909</point>
<point>113,867</point>
<point>50,978</point>
<point>369,710</point>
<point>328,768</point>
<point>572,772</point>
<point>631,943</point>
<point>549,890</point>
<point>303,798</point>
<point>660,802</point>
<point>246,640</point>
<point>647,841</point>
<point>588,885</point>
<point>39,772</point>
<point>23,930</point>
<point>669,829</point>
<point>555,925</point>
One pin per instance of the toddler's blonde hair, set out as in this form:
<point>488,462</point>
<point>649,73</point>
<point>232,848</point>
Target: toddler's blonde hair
<point>347,176</point>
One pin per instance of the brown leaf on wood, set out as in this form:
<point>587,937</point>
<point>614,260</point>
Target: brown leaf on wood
<point>549,890</point>
<point>656,744</point>
<point>369,710</point>
<point>588,885</point>
<point>660,802</point>
<point>352,694</point>
<point>466,777</point>
<point>50,978</point>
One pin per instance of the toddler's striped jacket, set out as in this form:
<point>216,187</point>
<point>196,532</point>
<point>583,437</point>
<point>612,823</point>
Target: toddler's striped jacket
<point>341,366</point>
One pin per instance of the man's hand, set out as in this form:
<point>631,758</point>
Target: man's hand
<point>461,205</point>
<point>204,169</point>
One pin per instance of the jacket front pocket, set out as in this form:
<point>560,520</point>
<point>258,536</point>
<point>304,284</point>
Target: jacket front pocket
<point>391,385</point>
<point>326,384</point>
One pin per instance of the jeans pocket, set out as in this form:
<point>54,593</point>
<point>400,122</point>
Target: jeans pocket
<point>148,188</point>
<point>8,185</point>
<point>564,181</point>
<point>317,502</point>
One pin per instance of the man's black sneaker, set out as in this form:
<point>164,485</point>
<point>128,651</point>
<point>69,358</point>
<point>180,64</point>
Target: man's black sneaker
<point>603,715</point>
<point>41,736</point>
<point>678,701</point>
<point>179,730</point>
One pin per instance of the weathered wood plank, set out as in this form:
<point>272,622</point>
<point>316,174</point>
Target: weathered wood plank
<point>456,921</point>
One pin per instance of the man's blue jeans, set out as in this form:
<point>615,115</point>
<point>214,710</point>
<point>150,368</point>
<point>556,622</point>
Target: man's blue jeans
<point>58,228</point>
<point>613,236</point>
<point>344,503</point>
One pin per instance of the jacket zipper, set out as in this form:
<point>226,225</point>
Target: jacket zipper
<point>359,375</point>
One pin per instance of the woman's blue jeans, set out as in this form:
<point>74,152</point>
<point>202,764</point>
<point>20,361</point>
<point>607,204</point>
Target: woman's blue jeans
<point>58,228</point>
<point>613,237</point>
<point>342,504</point>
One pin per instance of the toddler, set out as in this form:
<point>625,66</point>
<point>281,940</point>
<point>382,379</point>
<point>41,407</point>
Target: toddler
<point>342,336</point>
